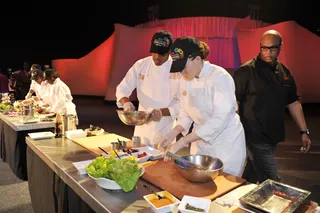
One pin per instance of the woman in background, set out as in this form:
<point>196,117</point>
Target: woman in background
<point>38,85</point>
<point>60,94</point>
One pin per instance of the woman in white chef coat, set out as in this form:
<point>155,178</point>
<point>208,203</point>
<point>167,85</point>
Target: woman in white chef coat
<point>157,89</point>
<point>38,85</point>
<point>60,94</point>
<point>208,100</point>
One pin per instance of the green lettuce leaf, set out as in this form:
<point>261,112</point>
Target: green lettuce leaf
<point>126,173</point>
<point>101,167</point>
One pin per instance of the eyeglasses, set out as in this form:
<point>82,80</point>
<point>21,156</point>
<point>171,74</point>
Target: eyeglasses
<point>273,48</point>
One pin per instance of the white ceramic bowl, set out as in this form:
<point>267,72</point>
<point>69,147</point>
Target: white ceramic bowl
<point>196,202</point>
<point>163,209</point>
<point>109,184</point>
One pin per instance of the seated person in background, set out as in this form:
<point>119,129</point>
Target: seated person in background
<point>4,82</point>
<point>59,93</point>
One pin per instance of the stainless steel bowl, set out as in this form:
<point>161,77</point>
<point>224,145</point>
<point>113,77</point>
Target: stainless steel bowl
<point>134,118</point>
<point>215,166</point>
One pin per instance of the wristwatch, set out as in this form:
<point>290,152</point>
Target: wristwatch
<point>305,132</point>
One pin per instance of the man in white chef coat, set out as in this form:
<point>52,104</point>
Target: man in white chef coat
<point>207,99</point>
<point>157,89</point>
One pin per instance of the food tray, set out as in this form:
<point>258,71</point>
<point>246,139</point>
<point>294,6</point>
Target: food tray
<point>274,197</point>
<point>152,152</point>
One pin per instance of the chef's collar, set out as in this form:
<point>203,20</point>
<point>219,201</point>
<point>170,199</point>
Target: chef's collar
<point>166,64</point>
<point>204,71</point>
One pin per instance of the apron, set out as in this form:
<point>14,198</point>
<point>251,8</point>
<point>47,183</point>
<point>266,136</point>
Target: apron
<point>155,89</point>
<point>229,145</point>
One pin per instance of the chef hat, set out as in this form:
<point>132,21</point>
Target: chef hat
<point>161,42</point>
<point>183,48</point>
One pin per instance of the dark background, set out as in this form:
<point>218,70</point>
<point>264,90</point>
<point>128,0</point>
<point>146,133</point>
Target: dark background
<point>39,31</point>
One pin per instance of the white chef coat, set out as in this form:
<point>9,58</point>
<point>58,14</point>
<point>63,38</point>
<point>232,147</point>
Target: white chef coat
<point>209,101</point>
<point>60,97</point>
<point>35,87</point>
<point>156,88</point>
<point>41,90</point>
<point>44,92</point>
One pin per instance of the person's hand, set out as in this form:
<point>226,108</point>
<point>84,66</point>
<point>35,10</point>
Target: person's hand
<point>128,107</point>
<point>174,148</point>
<point>166,140</point>
<point>155,115</point>
<point>306,143</point>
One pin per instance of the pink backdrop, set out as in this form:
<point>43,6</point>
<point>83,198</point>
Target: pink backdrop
<point>231,43</point>
<point>131,45</point>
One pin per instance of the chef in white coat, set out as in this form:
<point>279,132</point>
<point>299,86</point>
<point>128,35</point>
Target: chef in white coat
<point>208,100</point>
<point>157,89</point>
<point>38,85</point>
<point>60,94</point>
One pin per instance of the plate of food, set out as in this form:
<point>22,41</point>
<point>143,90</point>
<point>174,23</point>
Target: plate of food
<point>152,152</point>
<point>94,131</point>
<point>115,174</point>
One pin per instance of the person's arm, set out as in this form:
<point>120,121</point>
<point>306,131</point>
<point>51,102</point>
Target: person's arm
<point>127,85</point>
<point>241,81</point>
<point>295,108</point>
<point>297,114</point>
<point>31,90</point>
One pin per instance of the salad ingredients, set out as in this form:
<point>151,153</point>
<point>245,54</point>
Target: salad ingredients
<point>142,155</point>
<point>4,107</point>
<point>125,171</point>
<point>162,202</point>
<point>190,207</point>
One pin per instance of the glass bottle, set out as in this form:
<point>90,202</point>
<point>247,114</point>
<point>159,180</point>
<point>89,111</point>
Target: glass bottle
<point>58,126</point>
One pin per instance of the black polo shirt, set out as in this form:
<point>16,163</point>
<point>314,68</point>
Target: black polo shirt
<point>263,91</point>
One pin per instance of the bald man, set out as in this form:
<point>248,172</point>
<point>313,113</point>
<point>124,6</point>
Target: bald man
<point>264,89</point>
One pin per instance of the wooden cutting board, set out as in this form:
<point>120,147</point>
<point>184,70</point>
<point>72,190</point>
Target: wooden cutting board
<point>103,141</point>
<point>165,176</point>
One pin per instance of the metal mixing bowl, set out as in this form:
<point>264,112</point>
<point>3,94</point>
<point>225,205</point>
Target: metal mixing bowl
<point>134,118</point>
<point>214,165</point>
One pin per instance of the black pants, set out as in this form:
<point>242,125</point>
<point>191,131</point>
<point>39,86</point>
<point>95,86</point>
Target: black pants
<point>261,164</point>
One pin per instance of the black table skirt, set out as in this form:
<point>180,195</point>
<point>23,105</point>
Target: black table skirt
<point>48,192</point>
<point>13,148</point>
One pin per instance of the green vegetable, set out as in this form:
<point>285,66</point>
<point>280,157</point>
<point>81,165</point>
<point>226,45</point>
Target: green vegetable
<point>101,167</point>
<point>5,107</point>
<point>189,207</point>
<point>125,171</point>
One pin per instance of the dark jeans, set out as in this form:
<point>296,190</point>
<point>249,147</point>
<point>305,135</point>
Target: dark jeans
<point>261,164</point>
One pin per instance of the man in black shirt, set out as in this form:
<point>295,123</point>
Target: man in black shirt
<point>264,88</point>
